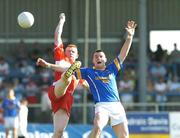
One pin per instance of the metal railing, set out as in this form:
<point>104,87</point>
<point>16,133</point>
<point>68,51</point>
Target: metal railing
<point>77,115</point>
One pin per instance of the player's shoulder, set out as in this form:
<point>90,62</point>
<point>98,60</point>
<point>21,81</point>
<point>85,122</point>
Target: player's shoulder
<point>63,62</point>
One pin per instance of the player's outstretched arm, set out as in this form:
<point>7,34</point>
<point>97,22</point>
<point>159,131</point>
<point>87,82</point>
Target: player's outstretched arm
<point>130,28</point>
<point>56,67</point>
<point>59,29</point>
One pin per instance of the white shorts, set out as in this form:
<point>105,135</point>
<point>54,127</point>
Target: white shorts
<point>11,122</point>
<point>111,111</point>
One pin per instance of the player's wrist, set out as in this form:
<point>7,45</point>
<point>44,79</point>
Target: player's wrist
<point>61,21</point>
<point>48,66</point>
<point>129,36</point>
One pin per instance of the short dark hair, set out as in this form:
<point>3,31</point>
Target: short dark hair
<point>98,50</point>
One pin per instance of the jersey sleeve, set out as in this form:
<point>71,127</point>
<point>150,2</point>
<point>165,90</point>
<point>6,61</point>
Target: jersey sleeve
<point>59,52</point>
<point>81,73</point>
<point>116,65</point>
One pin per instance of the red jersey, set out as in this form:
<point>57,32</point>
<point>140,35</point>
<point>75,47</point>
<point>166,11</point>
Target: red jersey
<point>65,102</point>
<point>60,56</point>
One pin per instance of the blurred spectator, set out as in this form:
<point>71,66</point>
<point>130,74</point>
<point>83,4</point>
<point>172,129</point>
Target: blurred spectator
<point>45,105</point>
<point>160,88</point>
<point>3,91</point>
<point>4,68</point>
<point>150,85</point>
<point>23,119</point>
<point>31,85</point>
<point>76,112</point>
<point>78,94</point>
<point>11,108</point>
<point>45,77</point>
<point>175,59</point>
<point>26,69</point>
<point>175,55</point>
<point>159,54</point>
<point>157,70</point>
<point>150,89</point>
<point>31,91</point>
<point>18,88</point>
<point>174,84</point>
<point>126,87</point>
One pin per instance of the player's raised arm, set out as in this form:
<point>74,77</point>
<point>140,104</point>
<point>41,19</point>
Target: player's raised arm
<point>59,29</point>
<point>130,28</point>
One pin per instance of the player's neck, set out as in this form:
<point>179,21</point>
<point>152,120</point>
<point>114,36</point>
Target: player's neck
<point>11,97</point>
<point>100,68</point>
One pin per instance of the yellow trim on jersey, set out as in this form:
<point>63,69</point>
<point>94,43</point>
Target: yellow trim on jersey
<point>117,64</point>
<point>78,74</point>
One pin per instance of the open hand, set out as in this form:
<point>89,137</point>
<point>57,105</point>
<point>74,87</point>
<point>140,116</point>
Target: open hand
<point>62,17</point>
<point>130,28</point>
